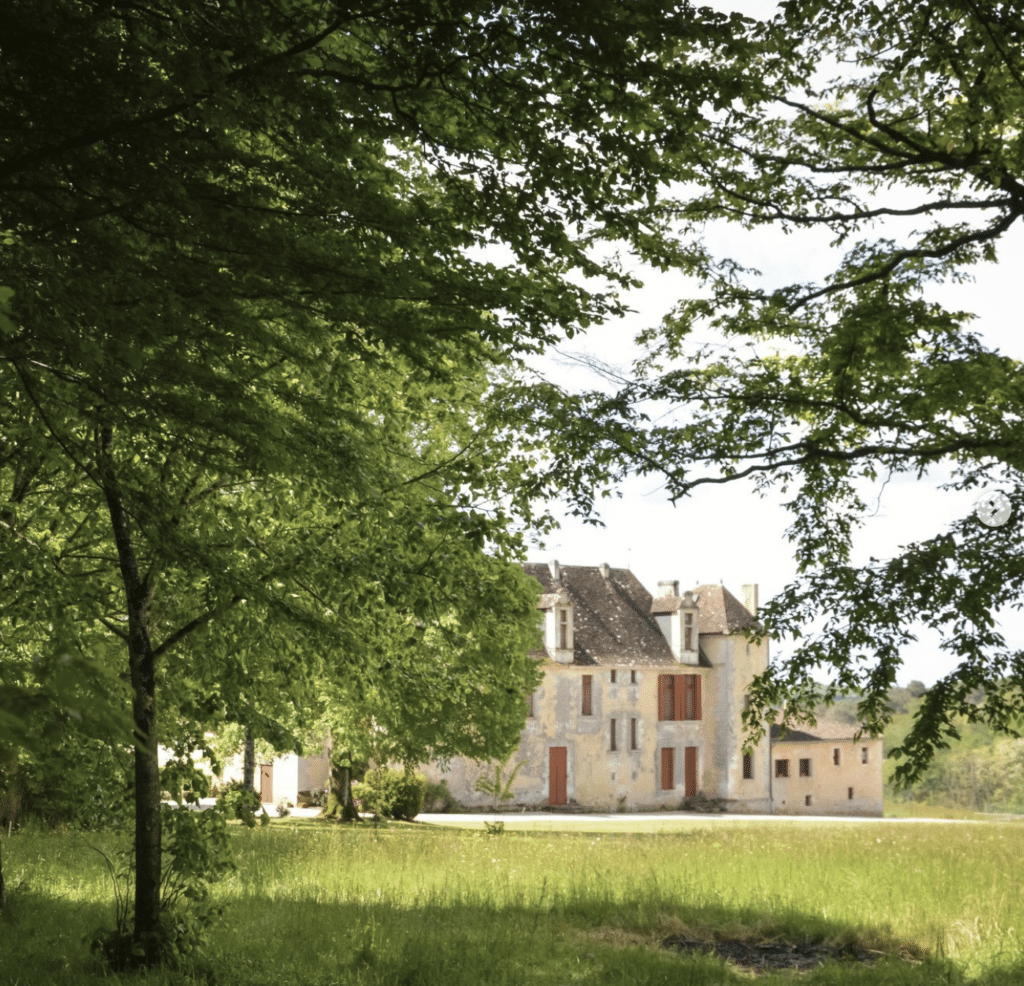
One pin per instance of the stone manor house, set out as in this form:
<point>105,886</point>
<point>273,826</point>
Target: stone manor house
<point>640,709</point>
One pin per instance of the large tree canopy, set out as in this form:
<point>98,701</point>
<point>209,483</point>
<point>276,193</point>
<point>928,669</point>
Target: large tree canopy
<point>896,128</point>
<point>247,248</point>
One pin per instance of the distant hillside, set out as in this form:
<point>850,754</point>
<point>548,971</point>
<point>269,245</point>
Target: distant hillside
<point>984,771</point>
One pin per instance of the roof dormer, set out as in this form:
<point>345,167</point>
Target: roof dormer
<point>558,625</point>
<point>676,617</point>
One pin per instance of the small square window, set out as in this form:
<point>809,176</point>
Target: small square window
<point>805,766</point>
<point>863,754</point>
<point>782,768</point>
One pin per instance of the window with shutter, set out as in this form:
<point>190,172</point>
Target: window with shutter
<point>863,754</point>
<point>679,697</point>
<point>782,768</point>
<point>613,745</point>
<point>632,734</point>
<point>588,695</point>
<point>805,766</point>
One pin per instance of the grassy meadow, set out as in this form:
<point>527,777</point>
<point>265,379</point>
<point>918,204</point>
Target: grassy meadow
<point>319,904</point>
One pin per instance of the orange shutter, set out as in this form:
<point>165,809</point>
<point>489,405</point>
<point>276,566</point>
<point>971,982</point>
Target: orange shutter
<point>690,764</point>
<point>588,694</point>
<point>668,768</point>
<point>665,702</point>
<point>679,697</point>
<point>696,696</point>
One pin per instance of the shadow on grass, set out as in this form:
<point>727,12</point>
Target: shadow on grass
<point>289,938</point>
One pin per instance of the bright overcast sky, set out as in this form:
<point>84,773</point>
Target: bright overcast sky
<point>727,533</point>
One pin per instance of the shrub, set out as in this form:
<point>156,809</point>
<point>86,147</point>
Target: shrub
<point>240,801</point>
<point>391,793</point>
<point>284,807</point>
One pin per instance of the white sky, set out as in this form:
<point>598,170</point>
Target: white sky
<point>727,533</point>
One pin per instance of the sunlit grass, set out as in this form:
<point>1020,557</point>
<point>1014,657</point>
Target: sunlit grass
<point>315,903</point>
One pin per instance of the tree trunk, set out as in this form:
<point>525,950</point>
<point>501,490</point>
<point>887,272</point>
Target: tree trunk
<point>249,761</point>
<point>3,889</point>
<point>142,668</point>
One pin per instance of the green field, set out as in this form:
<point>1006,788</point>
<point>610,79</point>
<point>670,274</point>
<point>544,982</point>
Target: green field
<point>318,904</point>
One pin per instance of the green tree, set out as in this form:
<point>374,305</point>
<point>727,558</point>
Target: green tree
<point>243,240</point>
<point>895,129</point>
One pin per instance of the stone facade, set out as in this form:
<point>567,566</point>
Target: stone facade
<point>640,707</point>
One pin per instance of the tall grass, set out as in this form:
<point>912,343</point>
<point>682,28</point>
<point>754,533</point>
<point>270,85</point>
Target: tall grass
<point>325,905</point>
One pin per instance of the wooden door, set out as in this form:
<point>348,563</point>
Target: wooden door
<point>690,764</point>
<point>267,783</point>
<point>668,768</point>
<point>557,775</point>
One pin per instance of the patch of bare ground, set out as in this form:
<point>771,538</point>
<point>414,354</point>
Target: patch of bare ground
<point>755,951</point>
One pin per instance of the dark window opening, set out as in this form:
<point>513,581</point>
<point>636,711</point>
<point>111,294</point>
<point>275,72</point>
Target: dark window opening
<point>613,676</point>
<point>835,755</point>
<point>863,754</point>
<point>632,677</point>
<point>748,766</point>
<point>614,744</point>
<point>805,766</point>
<point>588,695</point>
<point>632,734</point>
<point>807,801</point>
<point>849,794</point>
<point>782,768</point>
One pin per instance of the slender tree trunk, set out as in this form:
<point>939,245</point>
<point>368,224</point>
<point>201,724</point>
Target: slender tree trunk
<point>249,761</point>
<point>142,667</point>
<point>3,889</point>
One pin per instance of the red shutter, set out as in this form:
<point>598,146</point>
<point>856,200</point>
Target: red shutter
<point>696,696</point>
<point>557,775</point>
<point>665,703</point>
<point>668,768</point>
<point>690,764</point>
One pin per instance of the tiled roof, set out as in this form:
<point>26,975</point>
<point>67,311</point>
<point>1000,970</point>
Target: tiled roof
<point>720,611</point>
<point>612,622</point>
<point>826,729</point>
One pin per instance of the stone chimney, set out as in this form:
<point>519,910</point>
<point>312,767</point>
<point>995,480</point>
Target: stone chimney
<point>555,569</point>
<point>606,572</point>
<point>750,598</point>
<point>668,589</point>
